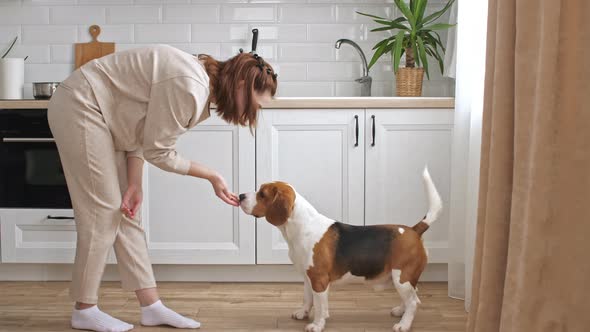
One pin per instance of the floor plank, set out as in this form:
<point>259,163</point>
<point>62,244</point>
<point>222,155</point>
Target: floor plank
<point>45,306</point>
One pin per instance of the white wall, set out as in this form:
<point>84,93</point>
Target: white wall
<point>296,36</point>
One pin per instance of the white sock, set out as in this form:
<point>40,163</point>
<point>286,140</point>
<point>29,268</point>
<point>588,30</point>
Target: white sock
<point>158,314</point>
<point>96,320</point>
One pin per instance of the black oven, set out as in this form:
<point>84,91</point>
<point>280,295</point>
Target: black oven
<point>31,175</point>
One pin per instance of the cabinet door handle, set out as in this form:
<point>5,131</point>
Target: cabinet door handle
<point>373,130</point>
<point>60,217</point>
<point>27,140</point>
<point>356,130</point>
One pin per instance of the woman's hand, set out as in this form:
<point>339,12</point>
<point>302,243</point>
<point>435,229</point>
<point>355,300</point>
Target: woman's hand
<point>217,181</point>
<point>132,201</point>
<point>222,191</point>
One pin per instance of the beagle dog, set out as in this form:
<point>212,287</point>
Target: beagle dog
<point>324,250</point>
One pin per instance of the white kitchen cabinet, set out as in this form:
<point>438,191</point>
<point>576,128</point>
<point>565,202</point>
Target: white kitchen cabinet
<point>316,152</point>
<point>39,236</point>
<point>366,184</point>
<point>404,142</point>
<point>185,222</point>
<point>313,149</point>
<point>33,236</point>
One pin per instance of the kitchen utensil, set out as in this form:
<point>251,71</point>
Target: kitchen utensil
<point>94,49</point>
<point>12,78</point>
<point>254,42</point>
<point>44,90</point>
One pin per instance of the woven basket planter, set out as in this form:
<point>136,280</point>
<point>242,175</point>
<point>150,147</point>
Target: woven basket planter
<point>408,82</point>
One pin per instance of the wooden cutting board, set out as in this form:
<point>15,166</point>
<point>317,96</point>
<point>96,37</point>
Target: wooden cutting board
<point>94,49</point>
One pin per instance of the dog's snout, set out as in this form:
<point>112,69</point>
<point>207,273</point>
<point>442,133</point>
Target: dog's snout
<point>242,197</point>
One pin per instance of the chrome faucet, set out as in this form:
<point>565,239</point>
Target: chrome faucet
<point>366,80</point>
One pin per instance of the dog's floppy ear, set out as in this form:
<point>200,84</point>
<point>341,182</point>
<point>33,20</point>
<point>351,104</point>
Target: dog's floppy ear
<point>279,210</point>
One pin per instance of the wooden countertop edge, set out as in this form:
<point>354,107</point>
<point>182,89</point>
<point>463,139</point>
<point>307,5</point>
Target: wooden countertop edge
<point>309,103</point>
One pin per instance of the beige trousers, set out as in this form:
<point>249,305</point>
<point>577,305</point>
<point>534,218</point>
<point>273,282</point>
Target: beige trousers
<point>96,176</point>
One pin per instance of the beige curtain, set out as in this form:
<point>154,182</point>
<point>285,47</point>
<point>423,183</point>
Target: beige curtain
<point>532,256</point>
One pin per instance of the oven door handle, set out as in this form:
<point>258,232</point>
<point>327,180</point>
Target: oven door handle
<point>60,217</point>
<point>27,140</point>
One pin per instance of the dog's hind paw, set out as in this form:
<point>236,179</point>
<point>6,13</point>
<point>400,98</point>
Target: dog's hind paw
<point>314,328</point>
<point>300,314</point>
<point>399,327</point>
<point>398,311</point>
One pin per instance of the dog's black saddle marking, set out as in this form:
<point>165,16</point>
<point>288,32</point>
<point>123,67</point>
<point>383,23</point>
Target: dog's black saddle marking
<point>363,250</point>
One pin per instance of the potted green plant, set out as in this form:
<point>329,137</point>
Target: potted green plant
<point>414,35</point>
<point>12,75</point>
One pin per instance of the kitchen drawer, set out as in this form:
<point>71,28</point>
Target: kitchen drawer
<point>29,236</point>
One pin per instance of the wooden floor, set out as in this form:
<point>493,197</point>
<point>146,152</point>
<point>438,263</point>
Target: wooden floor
<point>45,306</point>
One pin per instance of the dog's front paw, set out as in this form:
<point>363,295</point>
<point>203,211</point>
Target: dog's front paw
<point>399,327</point>
<point>301,313</point>
<point>398,311</point>
<point>313,327</point>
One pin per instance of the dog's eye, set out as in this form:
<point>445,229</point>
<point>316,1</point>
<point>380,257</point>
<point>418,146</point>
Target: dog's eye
<point>261,194</point>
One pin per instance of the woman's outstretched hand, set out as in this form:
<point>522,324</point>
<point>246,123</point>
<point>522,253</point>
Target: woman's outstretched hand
<point>222,191</point>
<point>132,201</point>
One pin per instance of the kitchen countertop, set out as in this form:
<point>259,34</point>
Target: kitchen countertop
<point>302,102</point>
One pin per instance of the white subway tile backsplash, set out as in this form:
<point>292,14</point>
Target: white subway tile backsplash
<point>283,33</point>
<point>49,34</point>
<point>191,14</point>
<point>434,88</point>
<point>353,89</point>
<point>296,36</point>
<point>333,32</point>
<point>166,33</point>
<point>277,1</point>
<point>24,15</point>
<point>78,15</point>
<point>204,48</point>
<point>119,33</point>
<point>211,49</point>
<point>124,47</point>
<point>62,53</point>
<point>333,71</point>
<point>305,89</point>
<point>133,14</point>
<point>163,2</point>
<point>106,2</point>
<point>35,53</point>
<point>348,13</point>
<point>8,32</point>
<point>266,51</point>
<point>48,2</point>
<point>219,32</point>
<point>358,33</point>
<point>382,71</point>
<point>8,3</point>
<point>383,89</point>
<point>248,13</point>
<point>47,72</point>
<point>347,89</point>
<point>28,90</point>
<point>290,71</point>
<point>352,1</point>
<point>306,52</point>
<point>218,1</point>
<point>306,13</point>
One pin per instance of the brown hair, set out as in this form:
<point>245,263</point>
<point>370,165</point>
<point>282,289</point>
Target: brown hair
<point>225,77</point>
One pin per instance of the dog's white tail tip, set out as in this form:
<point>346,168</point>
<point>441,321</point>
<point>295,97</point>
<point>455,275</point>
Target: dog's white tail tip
<point>434,200</point>
<point>425,173</point>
